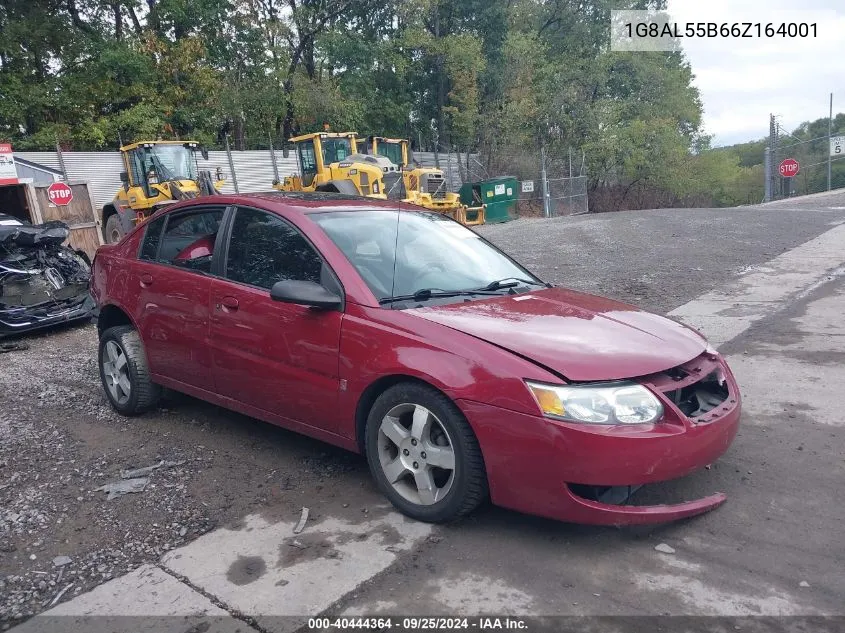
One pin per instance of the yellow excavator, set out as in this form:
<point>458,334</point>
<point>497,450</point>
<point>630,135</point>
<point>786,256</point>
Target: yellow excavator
<point>155,173</point>
<point>330,161</point>
<point>423,186</point>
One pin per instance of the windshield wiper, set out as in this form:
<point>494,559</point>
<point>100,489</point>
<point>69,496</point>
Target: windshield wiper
<point>428,293</point>
<point>510,282</point>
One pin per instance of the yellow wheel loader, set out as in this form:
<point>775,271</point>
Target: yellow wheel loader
<point>155,173</point>
<point>329,161</point>
<point>424,186</point>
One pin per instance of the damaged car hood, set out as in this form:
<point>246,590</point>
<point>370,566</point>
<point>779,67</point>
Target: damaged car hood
<point>579,336</point>
<point>17,235</point>
<point>40,280</point>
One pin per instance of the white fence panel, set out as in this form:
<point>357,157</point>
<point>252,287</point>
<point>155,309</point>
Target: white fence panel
<point>253,168</point>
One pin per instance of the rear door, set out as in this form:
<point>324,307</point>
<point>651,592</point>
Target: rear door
<point>280,357</point>
<point>173,281</point>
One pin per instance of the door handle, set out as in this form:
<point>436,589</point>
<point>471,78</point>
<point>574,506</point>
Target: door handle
<point>146,280</point>
<point>228,303</point>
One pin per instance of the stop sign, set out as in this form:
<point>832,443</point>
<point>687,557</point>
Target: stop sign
<point>59,193</point>
<point>788,168</point>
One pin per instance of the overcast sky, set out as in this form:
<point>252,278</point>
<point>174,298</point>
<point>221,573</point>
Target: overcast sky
<point>742,81</point>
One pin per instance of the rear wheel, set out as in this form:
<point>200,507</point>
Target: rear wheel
<point>424,455</point>
<point>114,230</point>
<point>124,372</point>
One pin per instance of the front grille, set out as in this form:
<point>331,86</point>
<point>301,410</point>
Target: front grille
<point>701,397</point>
<point>435,185</point>
<point>697,388</point>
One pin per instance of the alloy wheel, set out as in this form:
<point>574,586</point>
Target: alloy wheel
<point>416,454</point>
<point>116,372</point>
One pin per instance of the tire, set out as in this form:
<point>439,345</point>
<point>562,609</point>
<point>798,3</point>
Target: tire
<point>114,230</point>
<point>418,419</point>
<point>143,394</point>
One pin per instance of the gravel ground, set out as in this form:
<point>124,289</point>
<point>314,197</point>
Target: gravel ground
<point>60,440</point>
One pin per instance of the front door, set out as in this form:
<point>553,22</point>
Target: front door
<point>307,163</point>
<point>173,278</point>
<point>280,357</point>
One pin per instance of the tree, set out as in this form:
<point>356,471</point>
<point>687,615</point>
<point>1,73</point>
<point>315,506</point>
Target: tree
<point>500,77</point>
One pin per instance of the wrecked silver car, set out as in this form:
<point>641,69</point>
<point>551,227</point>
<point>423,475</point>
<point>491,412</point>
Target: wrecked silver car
<point>41,282</point>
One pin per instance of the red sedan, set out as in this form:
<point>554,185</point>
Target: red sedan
<point>407,337</point>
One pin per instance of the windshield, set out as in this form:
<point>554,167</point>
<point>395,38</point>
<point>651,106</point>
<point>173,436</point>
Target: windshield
<point>391,151</point>
<point>171,162</point>
<point>336,150</point>
<point>434,252</point>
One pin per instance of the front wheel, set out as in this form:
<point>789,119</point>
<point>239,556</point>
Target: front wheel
<point>424,455</point>
<point>124,372</point>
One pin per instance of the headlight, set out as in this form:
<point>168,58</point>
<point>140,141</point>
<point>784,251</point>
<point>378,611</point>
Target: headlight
<point>600,403</point>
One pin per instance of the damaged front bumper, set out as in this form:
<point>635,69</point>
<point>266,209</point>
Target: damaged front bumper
<point>585,473</point>
<point>27,318</point>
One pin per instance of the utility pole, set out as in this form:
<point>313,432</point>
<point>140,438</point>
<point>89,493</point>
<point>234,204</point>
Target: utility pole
<point>546,207</point>
<point>767,169</point>
<point>61,159</point>
<point>232,165</point>
<point>273,160</point>
<point>770,173</point>
<point>829,136</point>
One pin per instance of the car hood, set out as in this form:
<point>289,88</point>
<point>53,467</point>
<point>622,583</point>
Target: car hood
<point>580,336</point>
<point>35,269</point>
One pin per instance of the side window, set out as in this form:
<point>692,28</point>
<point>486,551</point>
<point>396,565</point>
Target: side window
<point>188,239</point>
<point>308,161</point>
<point>265,249</point>
<point>152,238</point>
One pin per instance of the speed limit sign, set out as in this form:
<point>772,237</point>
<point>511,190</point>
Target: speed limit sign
<point>837,145</point>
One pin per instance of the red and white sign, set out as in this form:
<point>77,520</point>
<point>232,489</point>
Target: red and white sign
<point>8,172</point>
<point>789,168</point>
<point>59,193</point>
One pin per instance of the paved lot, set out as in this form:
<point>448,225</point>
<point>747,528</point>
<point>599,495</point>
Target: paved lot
<point>662,258</point>
<point>212,533</point>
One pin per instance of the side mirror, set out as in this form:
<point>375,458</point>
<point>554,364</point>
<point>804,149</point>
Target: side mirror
<point>305,293</point>
<point>204,153</point>
<point>124,177</point>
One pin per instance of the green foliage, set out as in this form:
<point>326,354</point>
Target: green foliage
<point>498,77</point>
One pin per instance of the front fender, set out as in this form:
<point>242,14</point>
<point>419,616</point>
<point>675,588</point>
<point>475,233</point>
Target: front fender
<point>377,343</point>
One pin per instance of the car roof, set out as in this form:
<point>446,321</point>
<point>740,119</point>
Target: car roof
<point>299,201</point>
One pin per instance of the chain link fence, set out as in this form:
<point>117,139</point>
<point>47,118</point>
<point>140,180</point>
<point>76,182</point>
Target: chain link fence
<point>568,196</point>
<point>549,187</point>
<point>819,160</point>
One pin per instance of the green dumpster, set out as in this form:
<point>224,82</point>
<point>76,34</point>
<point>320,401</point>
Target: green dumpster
<point>498,194</point>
